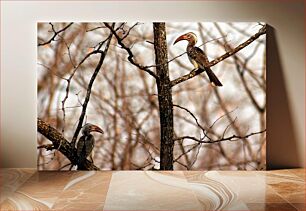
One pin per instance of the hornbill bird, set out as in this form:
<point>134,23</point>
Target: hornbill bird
<point>86,142</point>
<point>197,57</point>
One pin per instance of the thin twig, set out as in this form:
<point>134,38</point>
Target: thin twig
<point>194,117</point>
<point>130,53</point>
<point>230,138</point>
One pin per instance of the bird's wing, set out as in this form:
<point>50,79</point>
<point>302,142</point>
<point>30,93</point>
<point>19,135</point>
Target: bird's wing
<point>80,145</point>
<point>90,143</point>
<point>198,56</point>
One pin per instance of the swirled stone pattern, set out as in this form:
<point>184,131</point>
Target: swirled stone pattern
<point>27,189</point>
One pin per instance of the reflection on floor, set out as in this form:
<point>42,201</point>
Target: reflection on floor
<point>27,189</point>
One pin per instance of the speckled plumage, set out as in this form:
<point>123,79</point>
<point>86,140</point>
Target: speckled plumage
<point>85,146</point>
<point>197,57</point>
<point>86,142</point>
<point>199,60</point>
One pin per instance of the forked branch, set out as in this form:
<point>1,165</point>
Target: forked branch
<point>130,53</point>
<point>55,34</point>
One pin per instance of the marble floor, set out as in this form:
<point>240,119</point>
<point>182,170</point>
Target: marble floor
<point>27,189</point>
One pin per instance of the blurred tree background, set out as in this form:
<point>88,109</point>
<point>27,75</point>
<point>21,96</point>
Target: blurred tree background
<point>214,127</point>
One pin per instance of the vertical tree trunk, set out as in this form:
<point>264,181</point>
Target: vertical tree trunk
<point>164,97</point>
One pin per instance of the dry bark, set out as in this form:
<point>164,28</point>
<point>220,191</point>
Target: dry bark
<point>164,97</point>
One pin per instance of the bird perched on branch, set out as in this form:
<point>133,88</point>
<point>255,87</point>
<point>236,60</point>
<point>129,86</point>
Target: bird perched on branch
<point>197,57</point>
<point>86,142</point>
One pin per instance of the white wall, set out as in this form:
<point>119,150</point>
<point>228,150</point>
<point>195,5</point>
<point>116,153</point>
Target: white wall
<point>18,62</point>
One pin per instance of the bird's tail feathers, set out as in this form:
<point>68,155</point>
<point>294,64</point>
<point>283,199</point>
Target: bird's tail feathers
<point>212,77</point>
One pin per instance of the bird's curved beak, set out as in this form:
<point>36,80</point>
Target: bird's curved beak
<point>95,128</point>
<point>180,38</point>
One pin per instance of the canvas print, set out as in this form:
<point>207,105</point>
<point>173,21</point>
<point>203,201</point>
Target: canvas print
<point>151,96</point>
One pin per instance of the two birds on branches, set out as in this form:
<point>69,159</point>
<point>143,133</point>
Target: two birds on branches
<point>196,56</point>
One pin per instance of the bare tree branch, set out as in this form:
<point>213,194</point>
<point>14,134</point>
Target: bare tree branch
<point>130,53</point>
<point>194,117</point>
<point>241,72</point>
<point>55,34</point>
<point>230,138</point>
